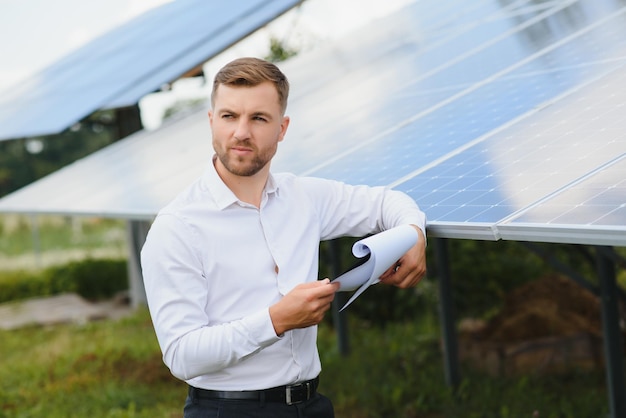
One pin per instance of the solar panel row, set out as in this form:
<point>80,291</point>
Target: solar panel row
<point>495,116</point>
<point>476,134</point>
<point>122,66</point>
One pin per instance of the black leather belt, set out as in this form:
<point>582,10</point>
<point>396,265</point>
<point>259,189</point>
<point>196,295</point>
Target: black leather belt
<point>290,394</point>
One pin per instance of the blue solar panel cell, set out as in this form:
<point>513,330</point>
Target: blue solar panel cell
<point>545,154</point>
<point>599,199</point>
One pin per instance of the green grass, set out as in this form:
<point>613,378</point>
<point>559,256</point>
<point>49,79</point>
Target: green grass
<point>398,372</point>
<point>102,369</point>
<point>114,369</point>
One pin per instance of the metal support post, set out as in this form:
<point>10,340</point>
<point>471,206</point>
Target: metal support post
<point>136,231</point>
<point>446,309</point>
<point>339,318</point>
<point>34,225</point>
<point>613,347</point>
<point>128,120</point>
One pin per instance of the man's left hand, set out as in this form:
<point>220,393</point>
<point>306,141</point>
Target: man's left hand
<point>410,268</point>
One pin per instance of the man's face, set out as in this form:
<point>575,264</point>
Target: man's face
<point>247,125</point>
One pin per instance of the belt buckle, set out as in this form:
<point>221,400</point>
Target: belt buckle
<point>288,399</point>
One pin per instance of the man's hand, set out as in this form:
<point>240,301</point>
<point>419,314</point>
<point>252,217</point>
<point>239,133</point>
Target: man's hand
<point>410,268</point>
<point>304,306</point>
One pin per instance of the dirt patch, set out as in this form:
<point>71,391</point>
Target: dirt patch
<point>547,325</point>
<point>548,307</point>
<point>61,309</point>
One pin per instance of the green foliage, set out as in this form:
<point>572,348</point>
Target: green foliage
<point>104,369</point>
<point>621,279</point>
<point>387,374</point>
<point>483,272</point>
<point>573,394</point>
<point>381,305</point>
<point>114,369</point>
<point>21,163</point>
<point>92,279</point>
<point>182,106</point>
<point>279,51</point>
<point>18,285</point>
<point>398,372</point>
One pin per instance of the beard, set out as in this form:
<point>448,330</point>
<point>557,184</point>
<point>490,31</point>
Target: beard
<point>242,166</point>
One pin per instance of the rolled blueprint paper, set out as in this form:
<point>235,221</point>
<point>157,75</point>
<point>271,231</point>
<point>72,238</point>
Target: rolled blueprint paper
<point>384,249</point>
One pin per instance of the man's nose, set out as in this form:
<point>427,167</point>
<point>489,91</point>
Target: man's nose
<point>242,130</point>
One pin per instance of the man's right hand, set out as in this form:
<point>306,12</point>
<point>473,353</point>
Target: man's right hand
<point>304,306</point>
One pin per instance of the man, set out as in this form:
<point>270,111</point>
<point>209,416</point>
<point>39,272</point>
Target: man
<point>230,266</point>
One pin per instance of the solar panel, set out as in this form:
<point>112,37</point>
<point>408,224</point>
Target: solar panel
<point>374,112</point>
<point>135,59</point>
<point>521,164</point>
<point>482,112</point>
<point>129,179</point>
<point>588,170</point>
<point>591,211</point>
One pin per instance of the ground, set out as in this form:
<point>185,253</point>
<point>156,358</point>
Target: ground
<point>550,306</point>
<point>549,325</point>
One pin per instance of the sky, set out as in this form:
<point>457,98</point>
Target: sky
<point>36,33</point>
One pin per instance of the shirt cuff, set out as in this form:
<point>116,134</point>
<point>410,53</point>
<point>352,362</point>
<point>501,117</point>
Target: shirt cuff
<point>261,328</point>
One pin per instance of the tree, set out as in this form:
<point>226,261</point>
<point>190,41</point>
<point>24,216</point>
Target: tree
<point>279,51</point>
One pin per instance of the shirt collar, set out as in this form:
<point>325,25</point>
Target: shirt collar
<point>222,195</point>
<point>272,185</point>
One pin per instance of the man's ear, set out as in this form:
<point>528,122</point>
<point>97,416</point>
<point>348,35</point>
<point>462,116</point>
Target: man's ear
<point>211,117</point>
<point>283,128</point>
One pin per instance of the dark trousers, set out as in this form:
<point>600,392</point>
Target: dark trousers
<point>318,406</point>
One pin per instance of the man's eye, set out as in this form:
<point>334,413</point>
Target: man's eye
<point>227,116</point>
<point>260,118</point>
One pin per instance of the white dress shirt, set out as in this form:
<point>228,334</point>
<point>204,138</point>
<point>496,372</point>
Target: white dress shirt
<point>213,265</point>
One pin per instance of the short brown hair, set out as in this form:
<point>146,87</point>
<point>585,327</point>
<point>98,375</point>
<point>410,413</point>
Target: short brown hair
<point>251,72</point>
